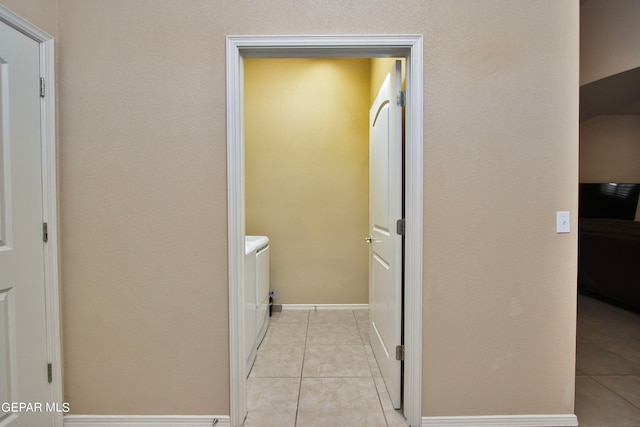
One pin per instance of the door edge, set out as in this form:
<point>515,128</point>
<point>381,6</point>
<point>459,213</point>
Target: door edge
<point>49,201</point>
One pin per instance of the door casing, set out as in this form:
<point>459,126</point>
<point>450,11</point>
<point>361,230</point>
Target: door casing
<point>409,47</point>
<point>49,200</point>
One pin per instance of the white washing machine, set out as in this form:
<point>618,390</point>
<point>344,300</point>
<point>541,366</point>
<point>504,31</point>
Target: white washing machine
<point>249,304</point>
<point>256,294</point>
<point>261,291</point>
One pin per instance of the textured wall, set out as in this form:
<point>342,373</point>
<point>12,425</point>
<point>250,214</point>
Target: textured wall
<point>143,197</point>
<point>610,149</point>
<point>609,34</point>
<point>143,215</point>
<point>41,13</point>
<point>501,157</point>
<point>307,175</point>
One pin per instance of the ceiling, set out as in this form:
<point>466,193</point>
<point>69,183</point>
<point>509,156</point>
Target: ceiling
<point>618,94</point>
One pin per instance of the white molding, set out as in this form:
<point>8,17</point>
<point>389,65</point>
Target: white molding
<point>414,182</point>
<point>236,233</point>
<point>562,420</point>
<point>146,420</point>
<point>408,46</point>
<point>325,306</point>
<point>50,212</point>
<point>325,46</point>
<point>49,199</point>
<point>22,25</point>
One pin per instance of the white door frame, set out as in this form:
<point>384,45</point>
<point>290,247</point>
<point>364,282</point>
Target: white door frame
<point>49,203</point>
<point>362,46</point>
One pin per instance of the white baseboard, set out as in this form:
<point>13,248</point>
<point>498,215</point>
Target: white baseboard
<point>568,420</point>
<point>146,420</point>
<point>325,306</point>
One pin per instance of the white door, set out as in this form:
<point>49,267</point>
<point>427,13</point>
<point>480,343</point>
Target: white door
<point>385,253</point>
<point>23,345</point>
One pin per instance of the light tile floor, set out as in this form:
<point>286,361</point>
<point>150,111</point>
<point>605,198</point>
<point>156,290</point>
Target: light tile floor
<point>607,365</point>
<point>316,368</point>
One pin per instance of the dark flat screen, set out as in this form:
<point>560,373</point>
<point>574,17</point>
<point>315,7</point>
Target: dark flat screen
<point>609,200</point>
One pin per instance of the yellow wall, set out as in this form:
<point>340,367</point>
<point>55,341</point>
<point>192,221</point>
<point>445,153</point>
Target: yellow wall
<point>610,149</point>
<point>143,197</point>
<point>307,182</point>
<point>379,69</point>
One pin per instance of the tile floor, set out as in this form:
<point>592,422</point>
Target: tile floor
<point>607,365</point>
<point>316,368</point>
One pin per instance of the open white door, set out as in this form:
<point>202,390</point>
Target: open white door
<point>385,210</point>
<point>23,325</point>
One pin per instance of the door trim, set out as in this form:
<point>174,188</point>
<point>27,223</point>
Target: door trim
<point>360,46</point>
<point>49,200</point>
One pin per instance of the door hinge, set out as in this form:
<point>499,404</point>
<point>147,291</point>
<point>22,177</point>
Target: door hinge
<point>42,87</point>
<point>49,373</point>
<point>401,227</point>
<point>399,352</point>
<point>45,232</point>
<point>400,99</point>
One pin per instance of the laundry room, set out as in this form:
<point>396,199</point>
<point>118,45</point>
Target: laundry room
<point>307,173</point>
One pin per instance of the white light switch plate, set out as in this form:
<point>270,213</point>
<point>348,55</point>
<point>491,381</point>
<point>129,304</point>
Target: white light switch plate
<point>563,221</point>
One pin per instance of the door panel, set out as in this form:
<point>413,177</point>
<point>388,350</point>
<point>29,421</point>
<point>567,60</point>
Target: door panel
<point>385,253</point>
<point>8,345</point>
<point>23,338</point>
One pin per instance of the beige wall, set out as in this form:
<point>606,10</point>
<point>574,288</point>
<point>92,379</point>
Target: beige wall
<point>609,34</point>
<point>501,157</point>
<point>307,182</point>
<point>143,191</point>
<point>41,13</point>
<point>610,149</point>
<point>143,212</point>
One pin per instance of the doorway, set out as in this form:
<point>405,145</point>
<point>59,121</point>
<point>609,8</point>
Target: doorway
<point>408,47</point>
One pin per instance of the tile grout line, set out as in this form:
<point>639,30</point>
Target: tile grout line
<point>304,352</point>
<point>612,391</point>
<point>375,385</point>
<point>362,345</point>
<point>601,319</point>
<point>366,358</point>
<point>384,413</point>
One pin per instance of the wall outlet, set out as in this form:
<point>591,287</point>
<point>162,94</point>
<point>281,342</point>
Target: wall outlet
<point>563,222</point>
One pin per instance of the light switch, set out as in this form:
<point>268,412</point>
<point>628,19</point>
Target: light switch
<point>563,222</point>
